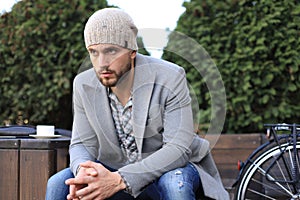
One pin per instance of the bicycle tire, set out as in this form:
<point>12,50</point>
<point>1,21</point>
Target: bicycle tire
<point>255,179</point>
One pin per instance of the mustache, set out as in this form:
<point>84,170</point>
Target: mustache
<point>105,69</point>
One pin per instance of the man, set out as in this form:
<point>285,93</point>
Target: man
<point>132,134</point>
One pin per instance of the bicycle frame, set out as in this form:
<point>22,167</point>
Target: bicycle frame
<point>275,140</point>
<point>294,175</point>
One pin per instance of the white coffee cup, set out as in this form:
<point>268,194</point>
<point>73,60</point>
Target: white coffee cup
<point>45,130</point>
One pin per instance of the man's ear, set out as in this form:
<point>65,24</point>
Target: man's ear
<point>133,54</point>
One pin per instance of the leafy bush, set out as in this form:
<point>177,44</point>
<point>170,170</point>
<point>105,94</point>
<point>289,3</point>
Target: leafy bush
<point>41,51</point>
<point>255,45</point>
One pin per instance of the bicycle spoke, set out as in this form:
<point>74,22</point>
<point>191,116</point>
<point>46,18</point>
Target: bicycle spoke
<point>283,175</point>
<point>273,179</point>
<point>291,158</point>
<point>268,186</point>
<point>289,167</point>
<point>261,194</point>
<point>298,162</point>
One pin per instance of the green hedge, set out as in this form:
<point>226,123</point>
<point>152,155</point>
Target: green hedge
<point>41,51</point>
<point>255,45</point>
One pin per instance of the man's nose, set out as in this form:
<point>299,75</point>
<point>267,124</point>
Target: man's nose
<point>103,60</point>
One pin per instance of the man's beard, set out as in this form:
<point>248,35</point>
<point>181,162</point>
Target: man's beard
<point>116,79</point>
<point>109,82</point>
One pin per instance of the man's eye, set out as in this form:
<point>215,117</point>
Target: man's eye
<point>93,52</point>
<point>112,51</point>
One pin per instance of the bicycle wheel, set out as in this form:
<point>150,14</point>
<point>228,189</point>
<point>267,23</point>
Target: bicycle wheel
<point>268,176</point>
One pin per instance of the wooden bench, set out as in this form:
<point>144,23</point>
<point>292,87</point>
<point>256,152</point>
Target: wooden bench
<point>228,149</point>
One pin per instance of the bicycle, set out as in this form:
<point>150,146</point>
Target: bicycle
<point>272,170</point>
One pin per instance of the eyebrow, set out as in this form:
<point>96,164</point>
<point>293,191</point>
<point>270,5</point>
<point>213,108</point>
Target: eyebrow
<point>91,48</point>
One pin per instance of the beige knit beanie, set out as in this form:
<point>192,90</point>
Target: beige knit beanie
<point>111,26</point>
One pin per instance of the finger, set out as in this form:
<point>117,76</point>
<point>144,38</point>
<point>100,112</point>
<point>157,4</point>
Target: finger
<point>90,196</point>
<point>91,172</point>
<point>71,192</point>
<point>89,164</point>
<point>79,180</point>
<point>77,187</point>
<point>70,182</point>
<point>70,197</point>
<point>84,192</point>
<point>75,198</point>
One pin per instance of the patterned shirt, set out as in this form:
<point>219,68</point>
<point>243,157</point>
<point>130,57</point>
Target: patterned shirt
<point>122,116</point>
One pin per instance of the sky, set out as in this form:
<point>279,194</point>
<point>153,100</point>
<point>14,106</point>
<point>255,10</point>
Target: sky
<point>152,17</point>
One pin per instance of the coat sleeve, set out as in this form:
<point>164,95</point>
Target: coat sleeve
<point>84,143</point>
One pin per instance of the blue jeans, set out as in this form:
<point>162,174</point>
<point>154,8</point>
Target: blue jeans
<point>182,183</point>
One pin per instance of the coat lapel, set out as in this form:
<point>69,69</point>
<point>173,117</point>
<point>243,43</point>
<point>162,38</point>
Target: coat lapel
<point>142,91</point>
<point>102,119</point>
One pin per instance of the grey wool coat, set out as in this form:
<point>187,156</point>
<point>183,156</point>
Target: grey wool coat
<point>162,125</point>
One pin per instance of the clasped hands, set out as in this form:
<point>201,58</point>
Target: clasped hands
<point>94,182</point>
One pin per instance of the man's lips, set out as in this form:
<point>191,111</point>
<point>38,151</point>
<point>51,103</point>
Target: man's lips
<point>106,74</point>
